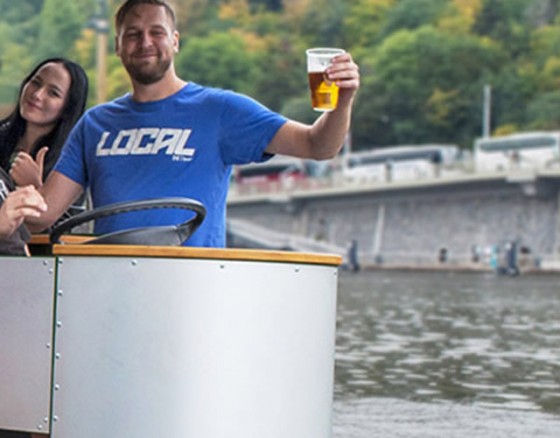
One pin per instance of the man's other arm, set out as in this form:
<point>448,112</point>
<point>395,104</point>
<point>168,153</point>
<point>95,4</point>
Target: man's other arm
<point>59,193</point>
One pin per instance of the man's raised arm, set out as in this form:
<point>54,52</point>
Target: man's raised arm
<point>323,139</point>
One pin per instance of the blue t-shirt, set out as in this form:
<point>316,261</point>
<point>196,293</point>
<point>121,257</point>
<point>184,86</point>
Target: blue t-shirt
<point>181,146</point>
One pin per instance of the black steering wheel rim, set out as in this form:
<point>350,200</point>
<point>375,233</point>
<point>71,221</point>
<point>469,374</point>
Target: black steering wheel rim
<point>165,235</point>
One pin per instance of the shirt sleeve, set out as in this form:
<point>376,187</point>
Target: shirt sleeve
<point>248,128</point>
<point>71,162</point>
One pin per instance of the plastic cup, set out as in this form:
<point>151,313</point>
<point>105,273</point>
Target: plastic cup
<point>324,93</point>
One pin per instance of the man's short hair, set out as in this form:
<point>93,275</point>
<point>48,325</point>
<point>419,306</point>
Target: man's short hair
<point>125,8</point>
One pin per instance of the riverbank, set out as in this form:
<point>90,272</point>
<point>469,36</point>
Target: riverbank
<point>467,222</point>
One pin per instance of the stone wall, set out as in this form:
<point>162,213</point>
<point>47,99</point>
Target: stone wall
<point>449,222</point>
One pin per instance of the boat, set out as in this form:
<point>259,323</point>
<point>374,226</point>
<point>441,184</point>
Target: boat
<point>104,339</point>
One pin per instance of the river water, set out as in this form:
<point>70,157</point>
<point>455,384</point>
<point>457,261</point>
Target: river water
<point>440,354</point>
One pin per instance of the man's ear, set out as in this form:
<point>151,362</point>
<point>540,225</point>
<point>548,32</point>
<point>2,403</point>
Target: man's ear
<point>176,41</point>
<point>117,46</point>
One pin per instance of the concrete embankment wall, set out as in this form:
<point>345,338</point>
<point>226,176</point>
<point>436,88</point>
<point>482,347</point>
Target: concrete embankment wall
<point>465,221</point>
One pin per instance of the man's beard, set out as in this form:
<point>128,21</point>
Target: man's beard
<point>148,75</point>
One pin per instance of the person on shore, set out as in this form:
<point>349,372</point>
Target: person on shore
<point>51,100</point>
<point>174,138</point>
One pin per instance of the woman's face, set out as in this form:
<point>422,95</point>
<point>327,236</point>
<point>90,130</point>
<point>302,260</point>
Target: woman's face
<point>43,97</point>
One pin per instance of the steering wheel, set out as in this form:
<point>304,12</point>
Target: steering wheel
<point>164,235</point>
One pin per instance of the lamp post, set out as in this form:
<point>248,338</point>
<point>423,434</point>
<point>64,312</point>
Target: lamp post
<point>486,111</point>
<point>100,24</point>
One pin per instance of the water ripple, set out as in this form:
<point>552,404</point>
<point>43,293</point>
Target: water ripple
<point>461,338</point>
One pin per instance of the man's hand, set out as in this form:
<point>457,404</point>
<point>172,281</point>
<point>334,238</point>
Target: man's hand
<point>346,74</point>
<point>26,171</point>
<point>20,204</point>
<point>324,139</point>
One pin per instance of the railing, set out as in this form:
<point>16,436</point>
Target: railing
<point>339,181</point>
<point>265,238</point>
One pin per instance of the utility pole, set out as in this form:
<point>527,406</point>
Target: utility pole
<point>486,111</point>
<point>100,24</point>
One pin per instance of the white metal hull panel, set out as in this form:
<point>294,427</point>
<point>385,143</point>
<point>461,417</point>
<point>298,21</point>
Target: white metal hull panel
<point>26,308</point>
<point>194,348</point>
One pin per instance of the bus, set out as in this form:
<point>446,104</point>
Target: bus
<point>529,150</point>
<point>400,162</point>
<point>277,173</point>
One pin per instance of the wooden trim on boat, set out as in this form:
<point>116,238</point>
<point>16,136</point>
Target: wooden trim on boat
<point>196,253</point>
<point>44,239</point>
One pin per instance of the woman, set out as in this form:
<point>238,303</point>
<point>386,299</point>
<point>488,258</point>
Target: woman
<point>51,100</point>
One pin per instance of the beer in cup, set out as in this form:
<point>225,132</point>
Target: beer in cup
<point>324,93</point>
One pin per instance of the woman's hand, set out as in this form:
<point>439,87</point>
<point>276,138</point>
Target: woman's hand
<point>27,171</point>
<point>20,204</point>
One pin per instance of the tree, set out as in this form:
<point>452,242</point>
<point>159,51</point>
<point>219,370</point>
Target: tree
<point>60,26</point>
<point>323,21</point>
<point>364,22</point>
<point>427,87</point>
<point>412,14</point>
<point>542,112</point>
<point>505,22</point>
<point>283,73</point>
<point>18,11</point>
<point>220,60</point>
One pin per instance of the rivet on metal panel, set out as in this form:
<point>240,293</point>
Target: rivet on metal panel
<point>46,420</point>
<point>59,324</point>
<point>134,262</point>
<point>60,292</point>
<point>40,427</point>
<point>60,261</point>
<point>222,266</point>
<point>55,418</point>
<point>57,356</point>
<point>51,271</point>
<point>45,263</point>
<point>296,270</point>
<point>48,346</point>
<point>56,387</point>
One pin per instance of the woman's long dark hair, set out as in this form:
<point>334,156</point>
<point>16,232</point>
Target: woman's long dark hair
<point>13,126</point>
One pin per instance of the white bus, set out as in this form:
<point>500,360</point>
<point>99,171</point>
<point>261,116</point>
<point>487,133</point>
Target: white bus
<point>275,170</point>
<point>400,162</point>
<point>529,150</point>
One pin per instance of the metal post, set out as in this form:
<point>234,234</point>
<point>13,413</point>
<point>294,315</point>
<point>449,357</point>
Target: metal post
<point>101,67</point>
<point>486,113</point>
<point>101,25</point>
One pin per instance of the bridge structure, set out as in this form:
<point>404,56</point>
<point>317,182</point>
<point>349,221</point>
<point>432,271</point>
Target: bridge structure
<point>459,220</point>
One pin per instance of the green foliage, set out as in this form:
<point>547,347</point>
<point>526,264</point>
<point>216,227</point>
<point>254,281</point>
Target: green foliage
<point>423,63</point>
<point>364,22</point>
<point>284,74</point>
<point>427,85</point>
<point>19,11</point>
<point>271,5</point>
<point>60,27</point>
<point>323,21</point>
<point>299,108</point>
<point>220,60</point>
<point>412,14</point>
<point>542,111</point>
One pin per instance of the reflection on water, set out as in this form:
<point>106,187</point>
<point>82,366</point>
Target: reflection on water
<point>490,344</point>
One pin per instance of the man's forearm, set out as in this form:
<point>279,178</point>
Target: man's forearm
<point>329,133</point>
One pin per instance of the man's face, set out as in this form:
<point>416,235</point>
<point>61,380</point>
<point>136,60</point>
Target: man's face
<point>147,43</point>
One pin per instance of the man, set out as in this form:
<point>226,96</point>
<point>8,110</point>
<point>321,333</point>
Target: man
<point>15,206</point>
<point>172,138</point>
